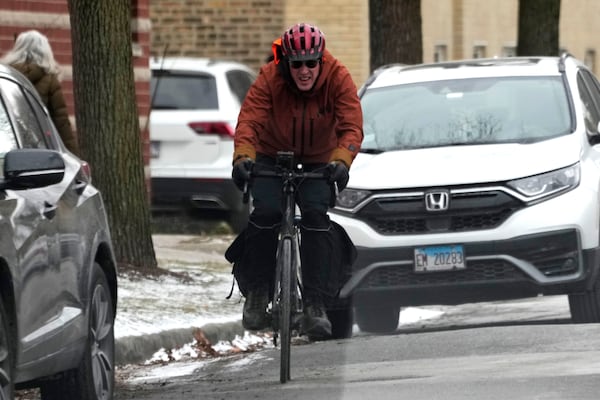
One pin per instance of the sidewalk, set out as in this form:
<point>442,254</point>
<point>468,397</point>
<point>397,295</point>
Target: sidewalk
<point>162,312</point>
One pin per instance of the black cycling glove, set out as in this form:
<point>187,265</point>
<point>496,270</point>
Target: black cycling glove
<point>241,172</point>
<point>338,172</point>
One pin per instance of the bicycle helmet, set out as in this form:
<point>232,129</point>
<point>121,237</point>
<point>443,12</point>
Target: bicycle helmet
<point>302,42</point>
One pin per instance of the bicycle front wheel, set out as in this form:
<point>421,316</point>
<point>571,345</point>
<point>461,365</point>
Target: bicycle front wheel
<point>285,307</point>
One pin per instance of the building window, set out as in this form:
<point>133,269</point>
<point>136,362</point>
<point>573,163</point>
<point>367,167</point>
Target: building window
<point>441,53</point>
<point>479,51</point>
<point>590,59</point>
<point>509,51</point>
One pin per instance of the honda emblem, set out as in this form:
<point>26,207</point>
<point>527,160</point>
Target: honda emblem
<point>437,201</point>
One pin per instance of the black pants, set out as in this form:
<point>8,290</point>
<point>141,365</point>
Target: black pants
<point>313,197</point>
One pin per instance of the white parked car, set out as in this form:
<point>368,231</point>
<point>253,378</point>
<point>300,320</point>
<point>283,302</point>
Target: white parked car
<point>195,105</point>
<point>478,180</point>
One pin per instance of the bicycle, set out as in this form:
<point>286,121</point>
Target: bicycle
<point>286,303</point>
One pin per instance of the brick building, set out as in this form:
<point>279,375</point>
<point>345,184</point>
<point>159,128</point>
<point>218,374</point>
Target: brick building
<point>51,17</point>
<point>452,29</point>
<point>455,29</point>
<point>243,30</point>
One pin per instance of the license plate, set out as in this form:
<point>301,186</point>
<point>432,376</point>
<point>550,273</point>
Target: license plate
<point>154,149</point>
<point>439,258</point>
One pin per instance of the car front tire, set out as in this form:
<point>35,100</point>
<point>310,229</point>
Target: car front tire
<point>380,319</point>
<point>6,351</point>
<point>94,378</point>
<point>585,307</point>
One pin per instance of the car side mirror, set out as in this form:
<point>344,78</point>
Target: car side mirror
<point>32,168</point>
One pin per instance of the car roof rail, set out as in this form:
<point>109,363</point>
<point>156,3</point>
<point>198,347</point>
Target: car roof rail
<point>561,61</point>
<point>386,66</point>
<point>376,73</point>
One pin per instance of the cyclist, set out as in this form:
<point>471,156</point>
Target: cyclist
<point>303,101</point>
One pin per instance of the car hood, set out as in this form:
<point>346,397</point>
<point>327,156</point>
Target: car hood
<point>444,166</point>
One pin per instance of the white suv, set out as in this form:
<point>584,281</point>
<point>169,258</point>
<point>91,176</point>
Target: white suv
<point>478,180</point>
<point>195,105</point>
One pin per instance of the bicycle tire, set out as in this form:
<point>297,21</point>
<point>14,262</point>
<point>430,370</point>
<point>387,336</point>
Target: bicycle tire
<point>285,308</point>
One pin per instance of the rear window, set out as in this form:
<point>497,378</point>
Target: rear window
<point>183,91</point>
<point>466,111</point>
<point>239,82</point>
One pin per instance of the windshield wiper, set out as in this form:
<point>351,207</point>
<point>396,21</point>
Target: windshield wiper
<point>372,151</point>
<point>464,143</point>
<point>164,107</point>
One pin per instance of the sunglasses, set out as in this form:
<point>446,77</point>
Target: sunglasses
<point>309,63</point>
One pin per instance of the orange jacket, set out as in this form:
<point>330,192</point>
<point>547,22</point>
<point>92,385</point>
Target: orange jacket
<point>322,125</point>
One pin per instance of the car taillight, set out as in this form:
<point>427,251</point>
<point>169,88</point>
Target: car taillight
<point>86,171</point>
<point>218,128</point>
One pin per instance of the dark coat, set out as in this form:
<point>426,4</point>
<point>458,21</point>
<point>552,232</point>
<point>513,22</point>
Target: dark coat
<point>49,89</point>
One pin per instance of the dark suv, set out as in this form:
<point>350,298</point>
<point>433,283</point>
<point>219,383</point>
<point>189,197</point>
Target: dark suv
<point>58,285</point>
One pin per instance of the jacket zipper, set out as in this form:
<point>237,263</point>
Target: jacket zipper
<point>312,120</point>
<point>294,132</point>
<point>302,130</point>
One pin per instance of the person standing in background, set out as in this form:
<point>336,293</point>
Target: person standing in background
<point>33,57</point>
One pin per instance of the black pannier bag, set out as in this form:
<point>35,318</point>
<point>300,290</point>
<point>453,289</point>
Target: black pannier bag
<point>343,255</point>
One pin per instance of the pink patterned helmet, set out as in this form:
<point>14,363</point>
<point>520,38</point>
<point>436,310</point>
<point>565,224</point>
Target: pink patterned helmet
<point>302,42</point>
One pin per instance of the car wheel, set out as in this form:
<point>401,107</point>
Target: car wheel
<point>6,364</point>
<point>585,307</point>
<point>378,319</point>
<point>94,378</point>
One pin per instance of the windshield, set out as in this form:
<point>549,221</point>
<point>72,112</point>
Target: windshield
<point>466,111</point>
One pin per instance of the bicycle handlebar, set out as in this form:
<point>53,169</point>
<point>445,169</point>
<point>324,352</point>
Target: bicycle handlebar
<point>293,174</point>
<point>286,174</point>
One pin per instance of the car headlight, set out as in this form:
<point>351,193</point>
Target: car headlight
<point>548,184</point>
<point>349,198</point>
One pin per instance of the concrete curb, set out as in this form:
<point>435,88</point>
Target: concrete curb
<point>137,349</point>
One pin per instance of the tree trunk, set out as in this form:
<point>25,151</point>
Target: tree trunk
<point>107,122</point>
<point>538,28</point>
<point>396,34</point>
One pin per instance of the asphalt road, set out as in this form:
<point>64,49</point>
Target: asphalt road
<point>508,350</point>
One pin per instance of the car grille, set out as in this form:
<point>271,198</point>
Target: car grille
<point>466,212</point>
<point>480,271</point>
<point>553,254</point>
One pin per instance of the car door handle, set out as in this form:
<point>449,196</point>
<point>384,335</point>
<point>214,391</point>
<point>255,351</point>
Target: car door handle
<point>79,186</point>
<point>49,210</point>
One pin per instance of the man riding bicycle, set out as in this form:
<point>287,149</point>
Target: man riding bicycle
<point>304,101</point>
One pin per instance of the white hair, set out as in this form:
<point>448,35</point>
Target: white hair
<point>32,47</point>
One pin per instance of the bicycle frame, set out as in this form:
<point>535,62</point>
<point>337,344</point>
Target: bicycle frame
<point>285,298</point>
<point>287,294</point>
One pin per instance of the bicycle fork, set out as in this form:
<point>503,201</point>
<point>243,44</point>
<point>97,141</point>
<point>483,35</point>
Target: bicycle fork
<point>296,292</point>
